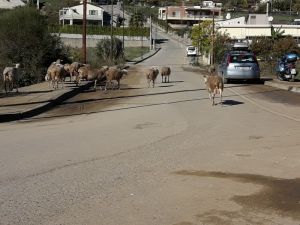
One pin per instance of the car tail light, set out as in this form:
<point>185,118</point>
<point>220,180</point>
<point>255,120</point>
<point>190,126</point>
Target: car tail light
<point>228,60</point>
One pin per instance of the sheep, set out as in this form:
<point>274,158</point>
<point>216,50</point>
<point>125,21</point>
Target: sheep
<point>165,73</point>
<point>151,75</point>
<point>11,76</point>
<point>55,74</point>
<point>114,74</point>
<point>91,74</point>
<point>214,85</point>
<point>73,70</point>
<point>67,69</point>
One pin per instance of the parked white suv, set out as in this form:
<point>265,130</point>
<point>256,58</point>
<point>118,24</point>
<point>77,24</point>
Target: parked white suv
<point>191,50</point>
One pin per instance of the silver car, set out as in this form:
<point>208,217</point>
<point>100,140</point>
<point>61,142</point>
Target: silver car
<point>239,65</point>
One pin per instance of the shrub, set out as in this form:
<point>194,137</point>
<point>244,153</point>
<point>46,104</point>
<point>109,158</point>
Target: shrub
<point>25,39</point>
<point>110,52</point>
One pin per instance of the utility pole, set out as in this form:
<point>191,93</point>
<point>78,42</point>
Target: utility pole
<point>123,3</point>
<point>112,30</point>
<point>84,33</point>
<point>167,27</point>
<point>150,31</point>
<point>213,40</point>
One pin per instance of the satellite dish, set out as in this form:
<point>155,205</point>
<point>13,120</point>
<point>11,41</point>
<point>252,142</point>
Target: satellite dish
<point>270,18</point>
<point>228,16</point>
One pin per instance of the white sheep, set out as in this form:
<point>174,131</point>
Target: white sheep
<point>11,77</point>
<point>165,72</point>
<point>214,85</point>
<point>151,75</point>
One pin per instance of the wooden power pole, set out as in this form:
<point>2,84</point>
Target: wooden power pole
<point>84,33</point>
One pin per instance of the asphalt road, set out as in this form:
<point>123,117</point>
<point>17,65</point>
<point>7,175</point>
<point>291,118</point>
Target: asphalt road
<point>156,156</point>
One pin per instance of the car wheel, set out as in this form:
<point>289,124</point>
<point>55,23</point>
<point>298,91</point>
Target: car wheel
<point>279,77</point>
<point>225,80</point>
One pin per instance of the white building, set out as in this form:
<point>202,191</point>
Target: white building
<point>9,4</point>
<point>74,15</point>
<point>258,26</point>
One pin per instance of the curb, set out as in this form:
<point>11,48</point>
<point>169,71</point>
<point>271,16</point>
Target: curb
<point>43,107</point>
<point>138,60</point>
<point>283,86</point>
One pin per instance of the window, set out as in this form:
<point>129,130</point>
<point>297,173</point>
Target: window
<point>93,12</point>
<point>242,58</point>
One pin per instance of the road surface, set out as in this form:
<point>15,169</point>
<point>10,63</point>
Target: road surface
<point>156,156</point>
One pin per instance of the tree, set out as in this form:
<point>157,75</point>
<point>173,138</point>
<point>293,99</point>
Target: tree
<point>104,50</point>
<point>221,43</point>
<point>137,19</point>
<point>25,39</point>
<point>285,45</point>
<point>276,34</point>
<point>262,46</point>
<point>201,36</point>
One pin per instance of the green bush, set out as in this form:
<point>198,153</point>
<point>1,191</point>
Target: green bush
<point>109,53</point>
<point>25,39</point>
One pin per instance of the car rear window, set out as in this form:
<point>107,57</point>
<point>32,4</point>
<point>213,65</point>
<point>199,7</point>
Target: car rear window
<point>242,58</point>
<point>191,48</point>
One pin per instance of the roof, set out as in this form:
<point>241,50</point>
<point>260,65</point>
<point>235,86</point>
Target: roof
<point>9,4</point>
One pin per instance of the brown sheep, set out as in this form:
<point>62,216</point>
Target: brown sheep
<point>91,74</point>
<point>11,76</point>
<point>151,75</point>
<point>214,85</point>
<point>73,70</point>
<point>67,69</point>
<point>55,74</point>
<point>165,73</point>
<point>114,74</point>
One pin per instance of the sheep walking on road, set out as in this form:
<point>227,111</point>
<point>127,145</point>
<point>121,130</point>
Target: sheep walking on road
<point>55,74</point>
<point>214,85</point>
<point>114,74</point>
<point>73,70</point>
<point>91,74</point>
<point>165,73</point>
<point>11,76</point>
<point>151,75</point>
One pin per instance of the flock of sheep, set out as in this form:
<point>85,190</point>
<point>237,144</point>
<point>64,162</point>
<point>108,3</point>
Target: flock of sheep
<point>78,72</point>
<point>57,73</point>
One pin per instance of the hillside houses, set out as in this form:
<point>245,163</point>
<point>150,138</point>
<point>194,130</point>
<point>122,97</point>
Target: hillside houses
<point>74,15</point>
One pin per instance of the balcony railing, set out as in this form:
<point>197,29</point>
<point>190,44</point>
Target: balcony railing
<point>80,17</point>
<point>191,17</point>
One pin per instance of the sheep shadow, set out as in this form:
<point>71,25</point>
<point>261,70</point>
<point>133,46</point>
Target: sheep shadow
<point>176,81</point>
<point>231,102</point>
<point>170,85</point>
